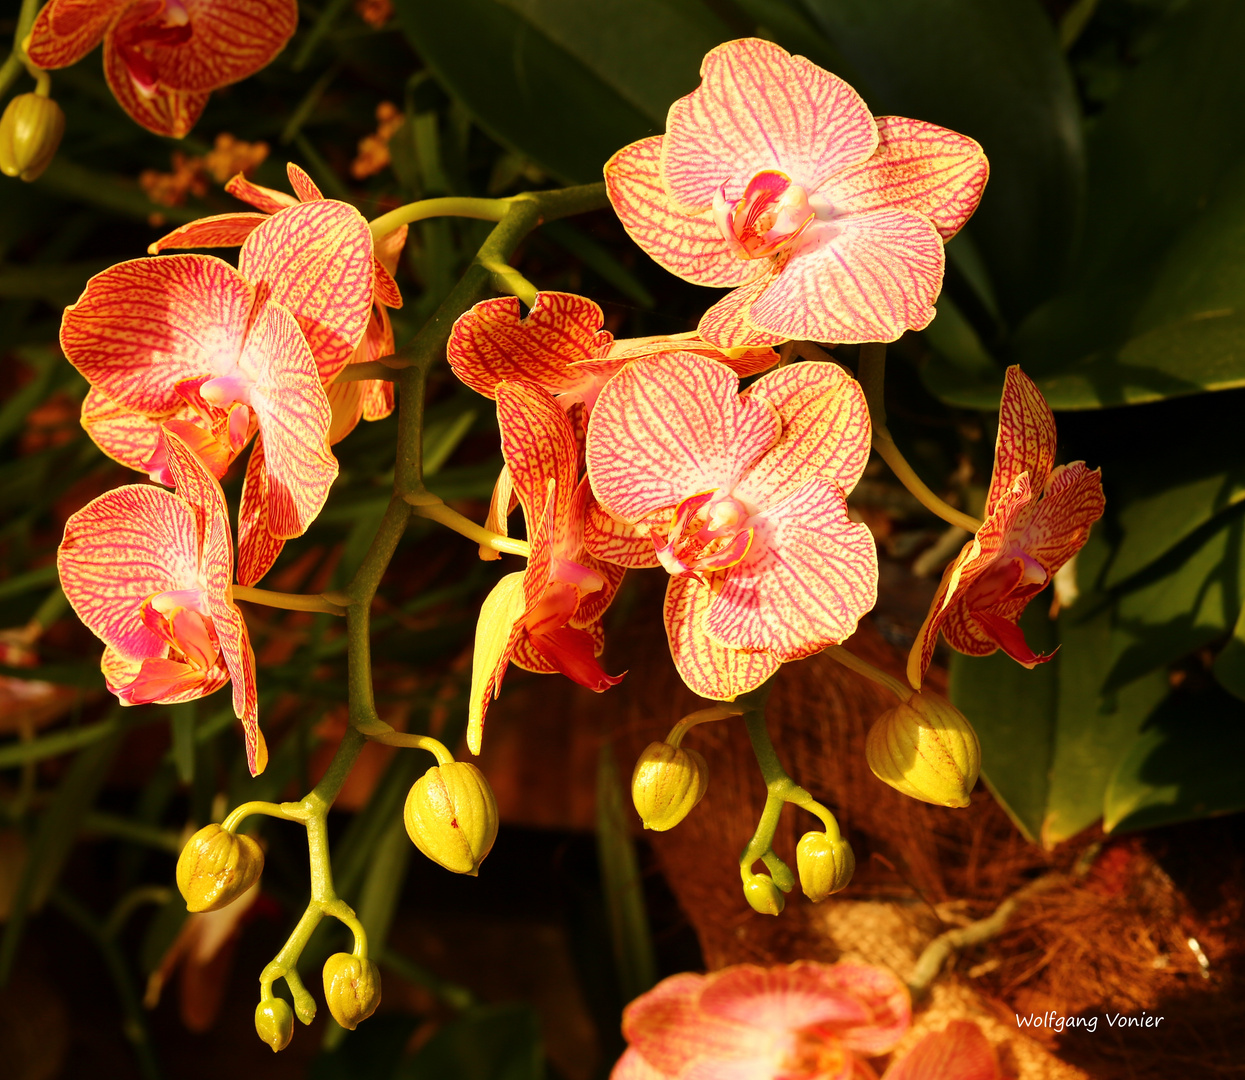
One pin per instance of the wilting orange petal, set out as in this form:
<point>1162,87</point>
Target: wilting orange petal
<point>1026,439</point>
<point>143,326</point>
<point>666,427</point>
<point>316,260</point>
<point>257,547</point>
<point>220,230</point>
<point>707,667</point>
<point>66,30</point>
<point>917,166</point>
<point>809,577</point>
<point>266,199</point>
<point>869,277</point>
<point>495,641</point>
<point>760,108</point>
<point>163,111</point>
<point>687,243</point>
<point>119,549</point>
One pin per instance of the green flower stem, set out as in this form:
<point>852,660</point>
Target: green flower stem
<point>862,667</point>
<point>454,206</point>
<point>287,601</point>
<point>402,739</point>
<point>372,369</point>
<point>703,716</point>
<point>438,511</point>
<point>284,811</point>
<point>871,373</point>
<point>506,279</point>
<point>12,68</point>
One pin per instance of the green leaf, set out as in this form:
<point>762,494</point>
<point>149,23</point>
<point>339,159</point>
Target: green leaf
<point>567,83</point>
<point>991,69</point>
<point>1155,306</point>
<point>1189,763</point>
<point>1050,737</point>
<point>490,1042</point>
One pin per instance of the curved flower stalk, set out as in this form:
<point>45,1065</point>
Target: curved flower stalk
<point>222,353</point>
<point>1038,515</point>
<point>773,179</point>
<point>366,399</point>
<point>548,618</point>
<point>743,500</point>
<point>803,1021</point>
<point>162,58</point>
<point>149,572</point>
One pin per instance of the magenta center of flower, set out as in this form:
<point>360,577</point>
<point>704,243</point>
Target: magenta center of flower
<point>1014,576</point>
<point>158,24</point>
<point>707,532</point>
<point>771,214</point>
<point>815,1057</point>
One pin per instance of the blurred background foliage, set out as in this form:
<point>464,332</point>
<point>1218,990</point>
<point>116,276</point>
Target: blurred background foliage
<point>1108,258</point>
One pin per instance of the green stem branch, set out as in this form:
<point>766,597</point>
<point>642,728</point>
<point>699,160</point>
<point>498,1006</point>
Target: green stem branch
<point>862,667</point>
<point>16,63</point>
<point>287,601</point>
<point>453,206</point>
<point>438,511</point>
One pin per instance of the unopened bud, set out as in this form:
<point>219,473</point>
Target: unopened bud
<point>667,782</point>
<point>30,132</point>
<point>274,1023</point>
<point>451,816</point>
<point>763,896</point>
<point>216,867</point>
<point>826,866</point>
<point>351,988</point>
<point>927,749</point>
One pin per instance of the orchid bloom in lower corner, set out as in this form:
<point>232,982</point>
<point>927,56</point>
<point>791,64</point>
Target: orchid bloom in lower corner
<point>547,618</point>
<point>803,1021</point>
<point>743,499</point>
<point>149,572</point>
<point>1038,516</point>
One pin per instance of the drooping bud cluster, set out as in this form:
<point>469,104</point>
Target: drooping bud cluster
<point>927,749</point>
<point>216,867</point>
<point>451,816</point>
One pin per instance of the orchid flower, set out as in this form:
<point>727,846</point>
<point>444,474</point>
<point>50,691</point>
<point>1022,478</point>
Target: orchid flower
<point>773,179</point>
<point>547,618</point>
<point>743,500</point>
<point>367,399</point>
<point>1038,515</point>
<point>149,572</point>
<point>189,341</point>
<point>162,58</point>
<point>803,1021</point>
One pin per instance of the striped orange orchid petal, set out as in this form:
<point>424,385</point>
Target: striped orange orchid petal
<point>220,230</point>
<point>130,438</point>
<point>142,327</point>
<point>494,342</point>
<point>316,260</point>
<point>540,452</point>
<point>593,605</point>
<point>266,199</point>
<point>868,277</point>
<point>385,289</point>
<point>389,248</point>
<point>257,547</point>
<point>687,243</point>
<point>159,109</point>
<point>917,166</point>
<point>825,432</point>
<point>1026,439</point>
<point>670,426</point>
<point>727,325</point>
<point>294,416</point>
<point>201,45</point>
<point>709,668</point>
<point>808,579</point>
<point>759,108</point>
<point>1059,525</point>
<point>958,1052</point>
<point>304,187</point>
<point>615,541</point>
<point>66,30</point>
<point>743,362</point>
<point>162,680</point>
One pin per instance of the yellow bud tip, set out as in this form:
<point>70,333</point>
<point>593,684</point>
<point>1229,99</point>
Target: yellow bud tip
<point>274,1023</point>
<point>451,816</point>
<point>763,896</point>
<point>216,867</point>
<point>926,749</point>
<point>667,782</point>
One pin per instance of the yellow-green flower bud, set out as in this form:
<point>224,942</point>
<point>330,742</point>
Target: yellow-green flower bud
<point>763,895</point>
<point>451,816</point>
<point>30,132</point>
<point>351,988</point>
<point>667,782</point>
<point>274,1023</point>
<point>926,749</point>
<point>825,865</point>
<point>216,867</point>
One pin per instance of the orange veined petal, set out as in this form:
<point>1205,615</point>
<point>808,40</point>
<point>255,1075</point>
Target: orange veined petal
<point>130,438</point>
<point>959,1052</point>
<point>617,542</point>
<point>759,108</point>
<point>1059,525</point>
<point>220,230</point>
<point>66,30</point>
<point>1026,439</point>
<point>257,547</point>
<point>269,200</point>
<point>917,166</point>
<point>160,110</point>
<point>670,426</point>
<point>540,452</point>
<point>728,325</point>
<point>157,680</point>
<point>686,242</point>
<point>750,360</point>
<point>316,260</point>
<point>867,277</point>
<point>304,187</point>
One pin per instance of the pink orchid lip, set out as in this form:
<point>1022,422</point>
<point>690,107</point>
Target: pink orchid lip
<point>175,618</point>
<point>769,217</point>
<point>225,390</point>
<point>707,532</point>
<point>576,575</point>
